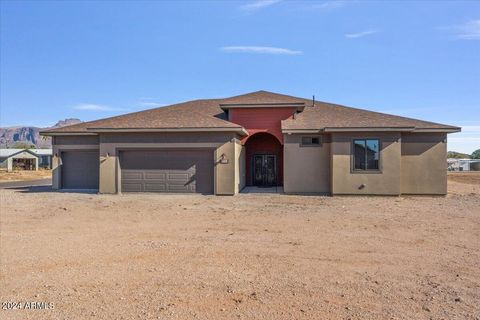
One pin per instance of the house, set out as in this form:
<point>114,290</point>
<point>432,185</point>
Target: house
<point>219,146</point>
<point>455,164</point>
<point>44,157</point>
<point>25,159</point>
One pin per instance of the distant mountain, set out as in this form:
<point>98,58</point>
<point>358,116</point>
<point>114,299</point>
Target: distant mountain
<point>25,136</point>
<point>457,155</point>
<point>66,122</point>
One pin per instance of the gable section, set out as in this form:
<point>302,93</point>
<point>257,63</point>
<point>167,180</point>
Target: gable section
<point>256,120</point>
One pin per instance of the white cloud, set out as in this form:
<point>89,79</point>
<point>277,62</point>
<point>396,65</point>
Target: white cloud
<point>329,5</point>
<point>95,107</point>
<point>152,104</point>
<point>360,34</point>
<point>149,102</point>
<point>260,50</point>
<point>259,4</point>
<point>469,30</point>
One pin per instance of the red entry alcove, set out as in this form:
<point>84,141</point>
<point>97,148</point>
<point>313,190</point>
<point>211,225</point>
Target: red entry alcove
<point>263,143</point>
<point>262,119</point>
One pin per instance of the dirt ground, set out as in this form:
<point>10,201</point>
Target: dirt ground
<point>472,177</point>
<point>21,175</point>
<point>245,257</point>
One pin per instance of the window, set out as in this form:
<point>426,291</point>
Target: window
<point>310,141</point>
<point>366,154</point>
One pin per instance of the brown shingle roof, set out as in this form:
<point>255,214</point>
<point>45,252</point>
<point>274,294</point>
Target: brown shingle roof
<point>191,114</point>
<point>261,97</point>
<point>327,115</point>
<point>207,114</point>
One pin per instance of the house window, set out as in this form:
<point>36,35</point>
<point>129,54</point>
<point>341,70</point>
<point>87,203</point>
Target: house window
<point>310,141</point>
<point>366,154</point>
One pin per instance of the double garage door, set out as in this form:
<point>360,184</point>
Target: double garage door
<point>167,170</point>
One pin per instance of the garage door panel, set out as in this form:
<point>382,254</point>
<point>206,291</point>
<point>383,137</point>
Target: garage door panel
<point>133,187</point>
<point>156,187</point>
<point>80,169</point>
<point>155,176</point>
<point>179,188</point>
<point>133,175</point>
<point>167,170</point>
<point>179,176</point>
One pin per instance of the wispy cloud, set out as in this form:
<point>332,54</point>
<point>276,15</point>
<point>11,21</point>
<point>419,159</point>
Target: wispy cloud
<point>149,102</point>
<point>152,104</point>
<point>260,50</point>
<point>95,107</point>
<point>360,34</point>
<point>258,4</point>
<point>467,31</point>
<point>329,5</point>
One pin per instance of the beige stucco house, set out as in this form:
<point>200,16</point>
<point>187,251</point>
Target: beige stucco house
<point>219,146</point>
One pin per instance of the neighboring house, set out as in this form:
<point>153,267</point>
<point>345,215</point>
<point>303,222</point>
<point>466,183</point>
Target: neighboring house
<point>455,164</point>
<point>219,146</point>
<point>25,159</point>
<point>44,157</point>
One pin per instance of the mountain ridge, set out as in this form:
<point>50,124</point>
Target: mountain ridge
<point>27,136</point>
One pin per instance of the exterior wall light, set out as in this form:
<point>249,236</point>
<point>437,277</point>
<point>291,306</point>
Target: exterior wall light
<point>223,159</point>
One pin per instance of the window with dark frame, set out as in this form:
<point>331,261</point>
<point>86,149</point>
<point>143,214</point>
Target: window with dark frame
<point>310,141</point>
<point>366,154</point>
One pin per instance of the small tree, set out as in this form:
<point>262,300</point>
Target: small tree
<point>476,154</point>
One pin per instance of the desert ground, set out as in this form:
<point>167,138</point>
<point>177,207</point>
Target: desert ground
<point>251,256</point>
<point>24,175</point>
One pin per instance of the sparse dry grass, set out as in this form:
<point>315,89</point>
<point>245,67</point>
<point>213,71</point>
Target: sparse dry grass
<point>471,177</point>
<point>21,175</point>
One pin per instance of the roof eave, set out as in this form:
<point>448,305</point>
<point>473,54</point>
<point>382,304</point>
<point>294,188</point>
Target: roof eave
<point>299,106</point>
<point>66,133</point>
<point>239,130</point>
<point>445,130</point>
<point>293,131</point>
<point>367,129</point>
<point>373,129</point>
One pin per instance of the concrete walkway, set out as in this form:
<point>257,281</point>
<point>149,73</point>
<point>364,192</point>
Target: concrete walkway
<point>269,190</point>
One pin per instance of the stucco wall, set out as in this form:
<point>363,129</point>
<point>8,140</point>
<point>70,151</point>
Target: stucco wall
<point>240,169</point>
<point>256,120</point>
<point>225,172</point>
<point>384,182</point>
<point>306,168</point>
<point>424,163</point>
<point>75,140</point>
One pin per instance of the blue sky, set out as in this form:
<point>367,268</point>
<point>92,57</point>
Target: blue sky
<point>92,60</point>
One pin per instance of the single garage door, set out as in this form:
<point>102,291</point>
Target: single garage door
<point>167,170</point>
<point>80,169</point>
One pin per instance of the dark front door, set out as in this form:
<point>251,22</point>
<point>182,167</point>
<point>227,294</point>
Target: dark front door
<point>264,170</point>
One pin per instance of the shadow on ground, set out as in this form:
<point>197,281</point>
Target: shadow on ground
<point>45,189</point>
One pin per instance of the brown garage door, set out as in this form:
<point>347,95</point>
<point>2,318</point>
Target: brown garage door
<point>80,169</point>
<point>167,171</point>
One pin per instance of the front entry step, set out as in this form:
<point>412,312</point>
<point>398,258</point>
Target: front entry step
<point>267,190</point>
